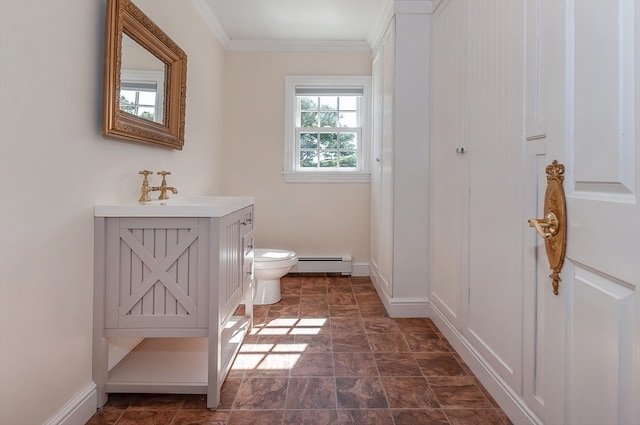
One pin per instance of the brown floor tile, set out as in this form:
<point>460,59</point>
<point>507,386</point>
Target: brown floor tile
<point>261,393</point>
<point>342,298</point>
<point>313,364</point>
<point>344,311</point>
<point>458,392</point>
<point>388,343</point>
<point>255,417</point>
<point>350,343</point>
<point>429,342</point>
<point>105,417</point>
<point>228,393</point>
<point>439,364</point>
<point>425,417</point>
<point>397,364</point>
<point>474,416</point>
<point>201,417</point>
<point>368,298</point>
<point>311,393</point>
<point>147,417</point>
<point>365,416</point>
<point>314,311</point>
<point>199,401</point>
<point>157,402</point>
<point>408,393</point>
<point>314,300</point>
<point>360,393</point>
<point>314,343</point>
<point>310,417</point>
<point>283,311</point>
<point>355,364</point>
<point>418,325</point>
<point>373,311</point>
<point>346,325</point>
<point>380,325</point>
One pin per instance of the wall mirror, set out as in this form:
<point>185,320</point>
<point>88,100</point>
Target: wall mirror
<point>145,80</point>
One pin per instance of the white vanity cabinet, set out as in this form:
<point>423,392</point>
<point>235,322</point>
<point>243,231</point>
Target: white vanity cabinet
<point>182,282</point>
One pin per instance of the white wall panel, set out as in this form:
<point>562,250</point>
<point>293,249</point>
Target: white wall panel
<point>603,101</point>
<point>496,117</point>
<point>604,308</point>
<point>448,169</point>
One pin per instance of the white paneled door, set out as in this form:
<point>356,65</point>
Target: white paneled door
<point>592,327</point>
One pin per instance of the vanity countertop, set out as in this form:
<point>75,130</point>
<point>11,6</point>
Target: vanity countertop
<point>191,206</point>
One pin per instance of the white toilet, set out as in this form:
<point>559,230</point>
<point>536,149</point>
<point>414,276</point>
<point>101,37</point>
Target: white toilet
<point>269,265</point>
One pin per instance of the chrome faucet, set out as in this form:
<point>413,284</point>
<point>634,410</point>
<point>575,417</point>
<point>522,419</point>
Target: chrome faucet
<point>163,186</point>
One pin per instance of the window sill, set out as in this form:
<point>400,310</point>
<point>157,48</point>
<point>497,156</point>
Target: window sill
<point>326,177</point>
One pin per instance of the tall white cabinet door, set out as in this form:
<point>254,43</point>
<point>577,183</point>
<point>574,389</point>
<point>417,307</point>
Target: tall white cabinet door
<point>593,120</point>
<point>448,166</point>
<point>496,86</point>
<point>382,192</point>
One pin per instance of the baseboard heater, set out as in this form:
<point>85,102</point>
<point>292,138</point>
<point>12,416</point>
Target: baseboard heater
<point>323,265</point>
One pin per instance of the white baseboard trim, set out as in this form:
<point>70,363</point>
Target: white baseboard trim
<point>79,409</point>
<point>506,397</point>
<point>401,306</point>
<point>359,269</point>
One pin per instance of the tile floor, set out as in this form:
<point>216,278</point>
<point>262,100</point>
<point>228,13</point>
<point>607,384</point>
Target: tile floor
<point>328,353</point>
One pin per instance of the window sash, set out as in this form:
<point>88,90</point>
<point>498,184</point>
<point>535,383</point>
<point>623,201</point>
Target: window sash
<point>319,150</point>
<point>312,86</point>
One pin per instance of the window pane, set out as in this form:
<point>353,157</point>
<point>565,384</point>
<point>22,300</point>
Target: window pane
<point>348,119</point>
<point>128,95</point>
<point>146,112</point>
<point>348,103</point>
<point>309,119</point>
<point>348,141</point>
<point>308,140</point>
<point>328,140</point>
<point>308,159</point>
<point>328,159</point>
<point>329,103</point>
<point>328,119</point>
<point>147,98</point>
<point>348,160</point>
<point>308,103</point>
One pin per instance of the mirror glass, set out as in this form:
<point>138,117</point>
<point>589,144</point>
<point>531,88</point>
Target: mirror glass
<point>145,80</point>
<point>141,82</point>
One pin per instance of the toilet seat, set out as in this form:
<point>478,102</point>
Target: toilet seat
<point>272,258</point>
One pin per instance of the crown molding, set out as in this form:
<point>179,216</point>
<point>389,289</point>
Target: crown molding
<point>298,45</point>
<point>212,22</point>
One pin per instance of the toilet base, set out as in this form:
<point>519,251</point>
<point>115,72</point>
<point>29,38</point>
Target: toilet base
<point>267,291</point>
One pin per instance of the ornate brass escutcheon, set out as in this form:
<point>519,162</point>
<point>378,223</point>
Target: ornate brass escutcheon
<point>553,227</point>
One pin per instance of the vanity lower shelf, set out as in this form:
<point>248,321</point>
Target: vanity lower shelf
<point>175,365</point>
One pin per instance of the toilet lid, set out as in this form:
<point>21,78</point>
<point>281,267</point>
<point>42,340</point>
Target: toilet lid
<point>266,255</point>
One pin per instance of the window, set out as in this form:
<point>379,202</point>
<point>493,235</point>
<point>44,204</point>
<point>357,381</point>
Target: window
<point>142,93</point>
<point>327,129</point>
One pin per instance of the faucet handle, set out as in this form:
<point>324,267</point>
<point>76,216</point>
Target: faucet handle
<point>145,172</point>
<point>164,173</point>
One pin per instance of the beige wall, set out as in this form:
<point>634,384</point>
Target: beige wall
<point>55,165</point>
<point>311,219</point>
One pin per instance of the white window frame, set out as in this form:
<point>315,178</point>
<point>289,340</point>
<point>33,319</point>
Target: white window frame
<point>292,172</point>
<point>143,76</point>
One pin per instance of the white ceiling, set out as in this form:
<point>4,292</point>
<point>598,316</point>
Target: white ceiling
<point>243,24</point>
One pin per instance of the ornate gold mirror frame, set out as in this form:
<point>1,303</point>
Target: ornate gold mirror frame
<point>123,17</point>
<point>553,227</point>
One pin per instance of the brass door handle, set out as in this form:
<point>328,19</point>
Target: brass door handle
<point>547,226</point>
<point>553,227</point>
